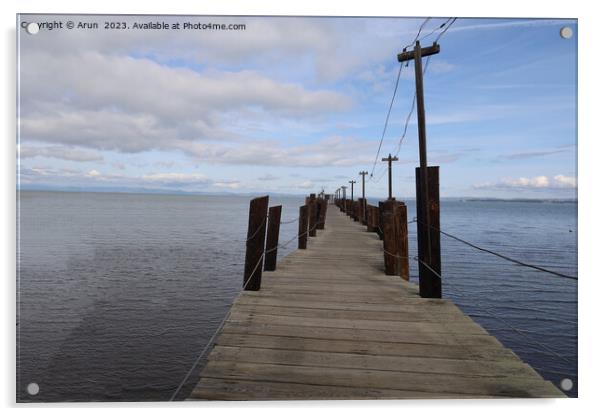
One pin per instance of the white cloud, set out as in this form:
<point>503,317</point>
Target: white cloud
<point>131,105</point>
<point>160,180</point>
<point>306,185</point>
<point>227,184</point>
<point>174,177</point>
<point>59,152</point>
<point>565,181</point>
<point>510,24</point>
<point>537,182</point>
<point>268,177</point>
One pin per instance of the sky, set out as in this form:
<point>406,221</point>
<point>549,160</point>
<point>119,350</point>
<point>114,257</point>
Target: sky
<point>295,105</point>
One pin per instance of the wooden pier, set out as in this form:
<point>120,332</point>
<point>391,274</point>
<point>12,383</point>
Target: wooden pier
<point>329,324</point>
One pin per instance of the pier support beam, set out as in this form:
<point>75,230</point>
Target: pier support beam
<point>258,211</point>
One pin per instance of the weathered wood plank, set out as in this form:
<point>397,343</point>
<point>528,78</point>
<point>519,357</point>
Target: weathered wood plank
<point>438,327</point>
<point>424,365</point>
<point>417,315</point>
<point>231,389</point>
<point>353,334</point>
<point>464,351</point>
<point>328,324</point>
<point>435,383</point>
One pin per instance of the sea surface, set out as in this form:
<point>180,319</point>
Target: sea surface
<point>119,293</point>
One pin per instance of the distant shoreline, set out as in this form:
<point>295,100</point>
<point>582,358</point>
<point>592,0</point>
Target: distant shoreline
<point>278,194</point>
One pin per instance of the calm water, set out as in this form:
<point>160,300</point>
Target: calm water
<point>119,293</point>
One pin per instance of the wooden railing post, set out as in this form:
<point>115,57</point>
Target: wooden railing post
<point>271,245</point>
<point>362,210</point>
<point>312,214</point>
<point>401,227</point>
<point>390,237</point>
<point>379,220</point>
<point>258,211</point>
<point>369,219</point>
<point>322,219</point>
<point>303,220</point>
<point>430,283</point>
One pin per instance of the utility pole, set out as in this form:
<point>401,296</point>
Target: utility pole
<point>352,182</point>
<point>363,173</point>
<point>344,188</point>
<point>390,159</point>
<point>363,204</point>
<point>417,55</point>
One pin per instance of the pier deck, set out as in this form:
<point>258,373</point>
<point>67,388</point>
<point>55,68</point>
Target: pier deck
<point>329,324</point>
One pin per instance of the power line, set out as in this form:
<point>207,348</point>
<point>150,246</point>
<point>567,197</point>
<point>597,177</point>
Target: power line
<point>392,101</point>
<point>382,137</point>
<point>441,26</point>
<point>426,65</point>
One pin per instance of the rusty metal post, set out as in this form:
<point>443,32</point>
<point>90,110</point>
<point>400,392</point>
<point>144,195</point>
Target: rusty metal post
<point>258,211</point>
<point>271,245</point>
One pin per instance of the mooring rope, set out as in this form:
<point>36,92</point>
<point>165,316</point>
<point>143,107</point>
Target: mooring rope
<point>502,256</point>
<point>223,321</point>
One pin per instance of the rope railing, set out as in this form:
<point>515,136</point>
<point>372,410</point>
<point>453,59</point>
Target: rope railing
<point>225,319</point>
<point>513,328</point>
<point>486,310</point>
<point>210,342</point>
<point>258,229</point>
<point>502,256</point>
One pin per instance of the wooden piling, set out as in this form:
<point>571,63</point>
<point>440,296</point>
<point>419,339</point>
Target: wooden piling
<point>258,211</point>
<point>319,331</point>
<point>322,216</point>
<point>379,220</point>
<point>362,210</point>
<point>430,283</point>
<point>271,245</point>
<point>303,220</point>
<point>401,227</point>
<point>389,237</point>
<point>312,213</point>
<point>369,220</point>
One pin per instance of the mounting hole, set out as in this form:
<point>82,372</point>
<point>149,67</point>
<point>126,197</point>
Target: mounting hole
<point>566,32</point>
<point>566,384</point>
<point>32,28</point>
<point>33,389</point>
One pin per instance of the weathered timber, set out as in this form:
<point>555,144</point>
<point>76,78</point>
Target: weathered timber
<point>401,228</point>
<point>271,245</point>
<point>429,239</point>
<point>329,324</point>
<point>258,212</point>
<point>303,221</point>
<point>313,214</point>
<point>390,251</point>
